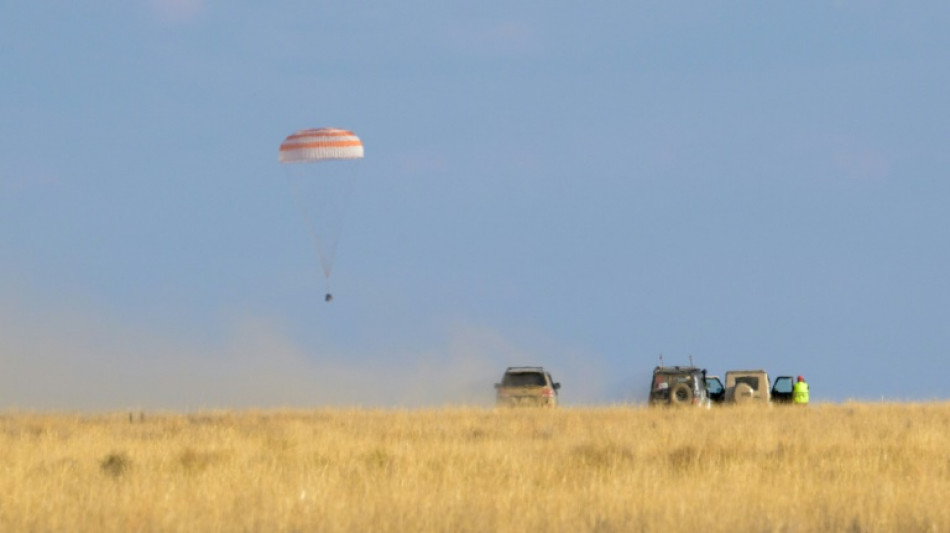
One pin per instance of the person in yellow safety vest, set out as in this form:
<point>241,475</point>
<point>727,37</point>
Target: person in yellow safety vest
<point>800,392</point>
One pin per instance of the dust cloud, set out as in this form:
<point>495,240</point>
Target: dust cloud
<point>77,359</point>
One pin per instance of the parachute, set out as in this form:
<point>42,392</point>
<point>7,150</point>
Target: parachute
<point>321,144</point>
<point>320,165</point>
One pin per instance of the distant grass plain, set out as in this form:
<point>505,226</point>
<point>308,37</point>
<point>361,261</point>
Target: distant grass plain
<point>828,467</point>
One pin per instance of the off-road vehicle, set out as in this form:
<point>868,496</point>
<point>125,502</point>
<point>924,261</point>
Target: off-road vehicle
<point>527,386</point>
<point>747,386</point>
<point>679,386</point>
<point>752,386</point>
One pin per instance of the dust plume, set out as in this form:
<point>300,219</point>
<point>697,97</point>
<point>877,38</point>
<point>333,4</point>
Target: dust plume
<point>83,359</point>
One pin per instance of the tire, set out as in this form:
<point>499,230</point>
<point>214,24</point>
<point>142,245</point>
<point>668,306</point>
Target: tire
<point>743,393</point>
<point>681,394</point>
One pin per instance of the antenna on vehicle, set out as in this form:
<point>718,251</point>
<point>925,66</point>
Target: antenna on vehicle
<point>691,360</point>
<point>661,359</point>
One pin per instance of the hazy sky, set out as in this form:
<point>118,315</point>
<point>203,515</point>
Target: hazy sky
<point>583,186</point>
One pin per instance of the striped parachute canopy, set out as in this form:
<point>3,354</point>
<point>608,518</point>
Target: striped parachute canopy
<point>320,144</point>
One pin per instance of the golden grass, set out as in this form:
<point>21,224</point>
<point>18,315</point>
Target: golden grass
<point>851,467</point>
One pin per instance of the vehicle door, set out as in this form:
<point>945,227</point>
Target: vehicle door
<point>715,390</point>
<point>782,389</point>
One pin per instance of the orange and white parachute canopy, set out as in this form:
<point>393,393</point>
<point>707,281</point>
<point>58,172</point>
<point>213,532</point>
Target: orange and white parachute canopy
<point>320,144</point>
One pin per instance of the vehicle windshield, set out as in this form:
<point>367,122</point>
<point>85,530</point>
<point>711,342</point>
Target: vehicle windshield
<point>714,386</point>
<point>523,379</point>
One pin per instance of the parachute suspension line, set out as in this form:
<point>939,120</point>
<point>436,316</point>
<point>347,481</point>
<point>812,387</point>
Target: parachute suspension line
<point>326,262</point>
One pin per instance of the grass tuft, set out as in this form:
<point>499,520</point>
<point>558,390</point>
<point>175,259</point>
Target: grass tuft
<point>115,464</point>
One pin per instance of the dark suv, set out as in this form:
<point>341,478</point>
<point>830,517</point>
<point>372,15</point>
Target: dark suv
<point>679,386</point>
<point>527,386</point>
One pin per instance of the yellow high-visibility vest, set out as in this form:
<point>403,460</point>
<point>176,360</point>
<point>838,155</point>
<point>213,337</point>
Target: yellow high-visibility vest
<point>800,392</point>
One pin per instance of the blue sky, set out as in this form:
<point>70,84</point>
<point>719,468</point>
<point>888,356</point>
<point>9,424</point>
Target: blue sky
<point>583,187</point>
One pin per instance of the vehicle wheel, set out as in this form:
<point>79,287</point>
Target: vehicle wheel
<point>743,393</point>
<point>681,394</point>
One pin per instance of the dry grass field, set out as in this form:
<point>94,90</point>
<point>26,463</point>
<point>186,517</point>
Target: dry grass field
<point>851,467</point>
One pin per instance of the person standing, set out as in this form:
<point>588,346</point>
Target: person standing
<point>800,392</point>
